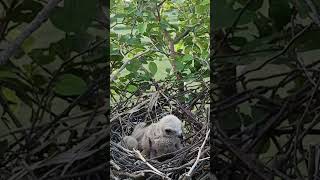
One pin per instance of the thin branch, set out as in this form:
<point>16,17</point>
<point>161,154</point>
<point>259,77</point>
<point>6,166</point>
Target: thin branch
<point>199,154</point>
<point>114,76</point>
<point>253,164</point>
<point>302,65</point>
<point>233,26</point>
<point>284,50</point>
<point>33,26</point>
<point>154,170</point>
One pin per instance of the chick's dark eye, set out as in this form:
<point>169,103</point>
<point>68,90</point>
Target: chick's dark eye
<point>168,131</point>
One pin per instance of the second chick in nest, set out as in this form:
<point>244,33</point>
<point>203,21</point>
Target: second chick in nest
<point>129,142</point>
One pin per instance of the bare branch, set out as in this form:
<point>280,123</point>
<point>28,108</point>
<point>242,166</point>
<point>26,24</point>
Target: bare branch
<point>33,26</point>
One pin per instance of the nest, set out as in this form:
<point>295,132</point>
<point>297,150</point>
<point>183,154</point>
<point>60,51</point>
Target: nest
<point>190,161</point>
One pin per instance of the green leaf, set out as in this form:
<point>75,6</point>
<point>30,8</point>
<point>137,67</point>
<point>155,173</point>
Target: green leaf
<point>115,58</point>
<point>153,68</point>
<point>75,15</point>
<point>133,65</point>
<point>223,9</point>
<point>187,58</point>
<point>40,56</point>
<point>29,68</point>
<point>132,88</point>
<point>26,45</point>
<point>134,42</point>
<point>10,95</point>
<point>20,88</point>
<point>179,65</point>
<point>202,8</point>
<point>164,25</point>
<point>142,27</point>
<point>70,85</point>
<point>7,74</point>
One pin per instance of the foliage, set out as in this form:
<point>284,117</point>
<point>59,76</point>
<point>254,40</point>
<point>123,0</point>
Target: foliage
<point>175,35</point>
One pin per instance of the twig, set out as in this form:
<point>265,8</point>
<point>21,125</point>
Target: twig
<point>274,120</point>
<point>136,175</point>
<point>253,164</point>
<point>114,76</point>
<point>300,62</point>
<point>33,26</point>
<point>284,50</point>
<point>156,171</point>
<point>115,165</point>
<point>199,154</point>
<point>233,26</point>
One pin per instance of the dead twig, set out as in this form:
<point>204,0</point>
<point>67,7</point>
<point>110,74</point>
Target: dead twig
<point>199,154</point>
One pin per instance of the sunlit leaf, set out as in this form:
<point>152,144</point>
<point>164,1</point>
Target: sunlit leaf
<point>132,88</point>
<point>142,27</point>
<point>11,97</point>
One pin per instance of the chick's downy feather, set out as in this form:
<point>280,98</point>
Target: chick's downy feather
<point>159,138</point>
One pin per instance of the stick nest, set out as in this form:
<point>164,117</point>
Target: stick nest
<point>190,161</point>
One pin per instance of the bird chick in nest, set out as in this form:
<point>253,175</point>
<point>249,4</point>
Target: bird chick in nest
<point>165,145</point>
<point>159,138</point>
<point>129,142</point>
